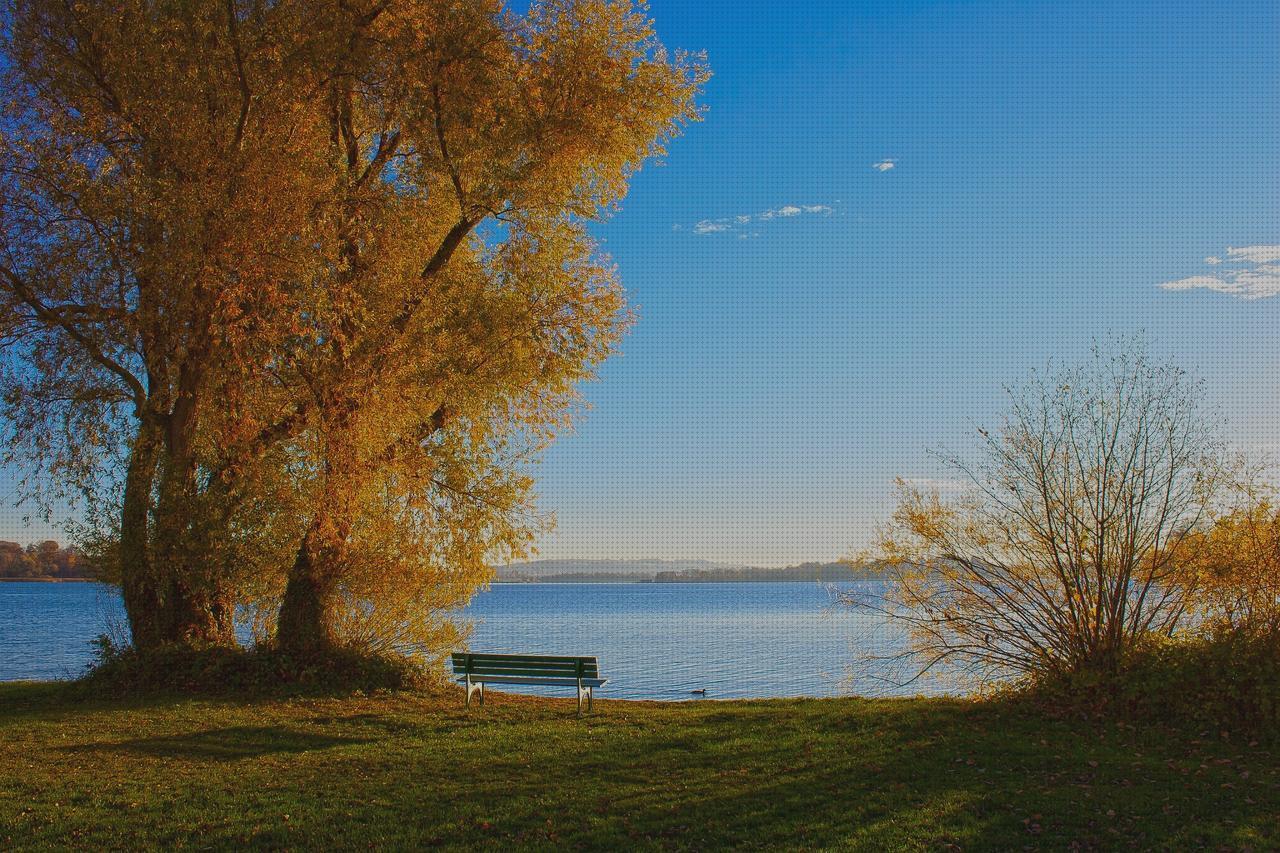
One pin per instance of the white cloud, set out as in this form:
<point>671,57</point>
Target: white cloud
<point>1258,278</point>
<point>1199,282</point>
<point>710,226</point>
<point>739,223</point>
<point>1255,254</point>
<point>885,165</point>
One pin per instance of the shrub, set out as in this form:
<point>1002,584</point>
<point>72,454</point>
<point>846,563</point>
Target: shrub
<point>1221,680</point>
<point>1231,568</point>
<point>262,669</point>
<point>1055,552</point>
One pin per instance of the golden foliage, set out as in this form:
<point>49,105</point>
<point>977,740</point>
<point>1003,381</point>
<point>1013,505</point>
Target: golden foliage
<point>309,284</point>
<point>1231,568</point>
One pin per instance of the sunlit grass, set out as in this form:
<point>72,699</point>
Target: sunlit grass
<point>415,770</point>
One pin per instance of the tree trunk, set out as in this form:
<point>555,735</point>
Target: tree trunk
<point>306,613</point>
<point>138,584</point>
<point>196,605</point>
<point>186,598</point>
<point>200,613</point>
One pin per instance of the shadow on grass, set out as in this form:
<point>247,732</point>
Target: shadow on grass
<point>407,772</point>
<point>864,775</point>
<point>56,701</point>
<point>59,701</point>
<point>229,744</point>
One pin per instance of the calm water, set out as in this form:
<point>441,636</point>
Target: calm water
<point>654,641</point>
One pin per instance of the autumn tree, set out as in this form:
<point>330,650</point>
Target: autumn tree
<point>1230,567</point>
<point>311,279</point>
<point>528,126</point>
<point>1063,549</point>
<point>153,164</point>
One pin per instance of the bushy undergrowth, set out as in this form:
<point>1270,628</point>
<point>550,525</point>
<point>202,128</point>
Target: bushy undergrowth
<point>1224,680</point>
<point>263,669</point>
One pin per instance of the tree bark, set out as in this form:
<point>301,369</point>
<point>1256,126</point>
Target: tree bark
<point>202,613</point>
<point>196,604</point>
<point>138,584</point>
<point>307,611</point>
<point>173,587</point>
<point>306,622</point>
<point>305,625</point>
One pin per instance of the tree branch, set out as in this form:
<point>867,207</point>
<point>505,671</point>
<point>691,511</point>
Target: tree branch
<point>136,388</point>
<point>246,97</point>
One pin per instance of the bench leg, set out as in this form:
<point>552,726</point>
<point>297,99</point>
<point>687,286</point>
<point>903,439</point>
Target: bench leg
<point>482,694</point>
<point>591,694</point>
<point>474,687</point>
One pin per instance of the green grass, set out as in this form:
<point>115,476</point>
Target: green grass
<point>408,771</point>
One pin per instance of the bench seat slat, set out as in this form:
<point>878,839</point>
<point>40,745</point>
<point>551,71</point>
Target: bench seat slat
<point>519,658</point>
<point>511,664</point>
<point>523,679</point>
<point>479,676</point>
<point>515,667</point>
<point>549,674</point>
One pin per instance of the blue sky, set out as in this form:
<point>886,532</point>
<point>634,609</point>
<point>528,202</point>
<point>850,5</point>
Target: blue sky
<point>1053,165</point>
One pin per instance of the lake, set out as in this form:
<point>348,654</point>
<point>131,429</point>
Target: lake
<point>654,640</point>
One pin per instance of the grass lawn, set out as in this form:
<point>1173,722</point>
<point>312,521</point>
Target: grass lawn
<point>410,771</point>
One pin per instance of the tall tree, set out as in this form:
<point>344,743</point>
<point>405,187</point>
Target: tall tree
<point>526,125</point>
<point>267,266</point>
<point>152,162</point>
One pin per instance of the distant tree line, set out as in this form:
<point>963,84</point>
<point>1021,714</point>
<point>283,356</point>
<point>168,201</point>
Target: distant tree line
<point>45,560</point>
<point>808,572</point>
<point>811,572</point>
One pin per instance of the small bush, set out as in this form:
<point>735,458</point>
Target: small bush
<point>1223,680</point>
<point>262,669</point>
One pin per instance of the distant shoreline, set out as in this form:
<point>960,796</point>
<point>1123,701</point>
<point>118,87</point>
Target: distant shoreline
<point>663,580</point>
<point>759,576</point>
<point>682,571</point>
<point>652,581</point>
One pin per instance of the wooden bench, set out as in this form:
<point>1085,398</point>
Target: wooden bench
<point>476,670</point>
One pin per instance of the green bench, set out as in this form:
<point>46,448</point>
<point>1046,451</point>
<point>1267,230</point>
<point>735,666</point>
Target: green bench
<point>476,670</point>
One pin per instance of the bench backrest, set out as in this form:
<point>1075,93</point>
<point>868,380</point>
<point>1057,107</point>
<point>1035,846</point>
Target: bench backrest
<point>539,666</point>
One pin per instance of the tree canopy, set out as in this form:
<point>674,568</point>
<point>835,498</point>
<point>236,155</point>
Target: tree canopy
<point>293,291</point>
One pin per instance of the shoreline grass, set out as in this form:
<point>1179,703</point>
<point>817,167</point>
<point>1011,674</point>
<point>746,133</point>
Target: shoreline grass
<point>410,770</point>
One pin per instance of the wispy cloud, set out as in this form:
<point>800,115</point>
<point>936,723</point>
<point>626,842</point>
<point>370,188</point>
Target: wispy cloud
<point>885,164</point>
<point>1249,273</point>
<point>710,226</point>
<point>1255,254</point>
<point>741,223</point>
